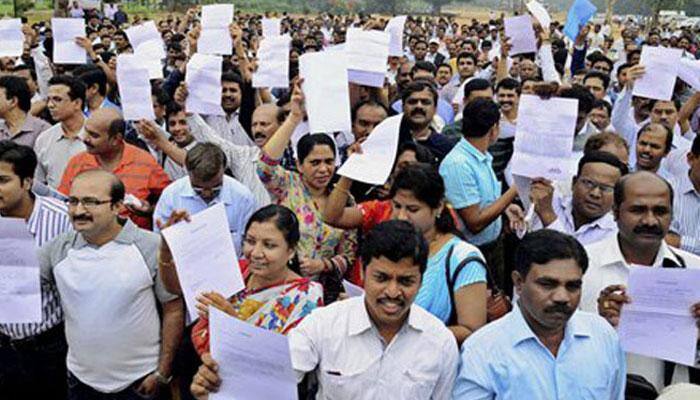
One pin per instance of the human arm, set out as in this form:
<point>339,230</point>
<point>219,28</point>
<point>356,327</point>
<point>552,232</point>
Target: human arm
<point>549,72</point>
<point>470,304</point>
<point>166,264</point>
<point>473,379</point>
<point>687,110</point>
<point>578,58</point>
<point>477,219</point>
<point>86,44</point>
<point>502,66</point>
<point>336,213</point>
<point>620,118</point>
<point>449,356</point>
<point>157,138</point>
<point>542,196</point>
<point>275,146</point>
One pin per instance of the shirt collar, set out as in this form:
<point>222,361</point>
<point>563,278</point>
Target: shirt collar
<point>470,149</point>
<point>685,185</point>
<point>520,331</point>
<point>127,235</point>
<point>613,254</point>
<point>33,221</point>
<point>360,321</point>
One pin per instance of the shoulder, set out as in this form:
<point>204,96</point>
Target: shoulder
<point>57,249</point>
<point>146,241</point>
<point>434,330</point>
<point>237,187</point>
<point>462,249</point>
<point>491,338</point>
<point>596,326</point>
<point>333,315</point>
<point>52,205</point>
<point>49,133</point>
<point>140,155</point>
<point>691,260</point>
<point>175,187</point>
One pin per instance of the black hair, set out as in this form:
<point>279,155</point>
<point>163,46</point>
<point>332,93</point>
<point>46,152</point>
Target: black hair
<point>423,154</point>
<point>95,76</point>
<point>695,148</point>
<point>307,143</point>
<point>467,54</point>
<point>171,109</point>
<point>622,68</point>
<point>395,240</point>
<point>478,117</point>
<point>162,97</point>
<point>116,127</point>
<point>205,160</point>
<point>25,67</point>
<point>475,84</point>
<point>669,134</point>
<point>580,93</point>
<point>371,103</point>
<point>448,66</point>
<point>545,245</point>
<point>22,158</point>
<point>508,84</point>
<point>76,87</point>
<point>599,75</point>
<point>423,66</point>
<point>599,103</point>
<point>286,221</point>
<point>231,76</point>
<point>597,141</point>
<point>419,86</point>
<point>619,191</point>
<point>16,87</point>
<point>602,157</point>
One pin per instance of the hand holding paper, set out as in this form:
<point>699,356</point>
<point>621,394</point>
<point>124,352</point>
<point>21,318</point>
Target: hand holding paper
<point>134,88</point>
<point>215,38</point>
<point>203,80</point>
<point>522,35</point>
<point>273,65</point>
<point>11,38</point>
<point>395,29</point>
<point>326,91</point>
<point>661,69</point>
<point>65,49</point>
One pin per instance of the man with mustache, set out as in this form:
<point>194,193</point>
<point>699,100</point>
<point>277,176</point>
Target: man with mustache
<point>539,349</point>
<point>653,145</point>
<point>376,346</point>
<point>685,228</point>
<point>643,209</point>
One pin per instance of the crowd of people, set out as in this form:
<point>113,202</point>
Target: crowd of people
<point>468,292</point>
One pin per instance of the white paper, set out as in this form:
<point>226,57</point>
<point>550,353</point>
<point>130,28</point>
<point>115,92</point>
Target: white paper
<point>540,13</point>
<point>254,363</point>
<point>658,323</point>
<point>689,71</point>
<point>134,88</point>
<point>65,50</point>
<point>544,138</point>
<point>352,290</point>
<point>661,69</point>
<point>326,90</point>
<point>271,27</point>
<point>215,37</point>
<point>367,51</point>
<point>11,38</point>
<point>521,34</point>
<point>204,255</point>
<point>146,41</point>
<point>273,62</point>
<point>376,161</point>
<point>395,28</point>
<point>203,80</point>
<point>20,288</point>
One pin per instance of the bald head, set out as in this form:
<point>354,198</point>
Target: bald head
<point>99,178</point>
<point>102,119</point>
<point>641,182</point>
<point>104,131</point>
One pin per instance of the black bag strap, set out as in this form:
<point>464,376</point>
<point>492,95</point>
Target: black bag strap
<point>451,278</point>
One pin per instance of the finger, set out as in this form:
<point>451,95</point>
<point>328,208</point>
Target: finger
<point>209,362</point>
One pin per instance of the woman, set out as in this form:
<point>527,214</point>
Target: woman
<point>324,251</point>
<point>417,195</point>
<point>275,296</point>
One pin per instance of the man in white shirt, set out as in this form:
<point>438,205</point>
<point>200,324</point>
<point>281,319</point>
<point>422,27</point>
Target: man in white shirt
<point>380,345</point>
<point>643,211</point>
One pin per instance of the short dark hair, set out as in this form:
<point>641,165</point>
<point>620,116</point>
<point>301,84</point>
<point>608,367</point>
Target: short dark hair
<point>22,158</point>
<point>116,127</point>
<point>95,76</point>
<point>423,154</point>
<point>423,66</point>
<point>25,67</point>
<point>16,87</point>
<point>622,68</point>
<point>602,157</point>
<point>307,143</point>
<point>171,109</point>
<point>205,160</point>
<point>76,87</point>
<point>162,97</point>
<point>369,103</point>
<point>478,117</point>
<point>669,134</point>
<point>545,245</point>
<point>444,65</point>
<point>597,141</point>
<point>475,84</point>
<point>619,192</point>
<point>695,148</point>
<point>580,93</point>
<point>599,103</point>
<point>395,240</point>
<point>419,86</point>
<point>231,76</point>
<point>508,84</point>
<point>466,54</point>
<point>598,75</point>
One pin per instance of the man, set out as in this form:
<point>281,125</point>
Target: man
<point>16,123</point>
<point>420,50</point>
<point>95,82</point>
<point>121,42</point>
<point>443,75</point>
<point>471,185</point>
<point>109,265</point>
<point>610,143</point>
<point>466,68</point>
<point>32,356</point>
<point>653,144</point>
<point>143,178</point>
<point>685,228</point>
<point>181,136</point>
<point>600,116</point>
<point>366,115</point>
<point>584,129</point>
<point>476,88</point>
<point>508,98</point>
<point>205,186</point>
<point>643,211</point>
<point>229,125</point>
<point>56,145</point>
<point>597,83</point>
<point>434,56</point>
<point>544,349</point>
<point>419,106</point>
<point>377,346</point>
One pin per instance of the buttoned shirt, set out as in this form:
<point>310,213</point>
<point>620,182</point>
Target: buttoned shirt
<point>30,130</point>
<point>53,151</point>
<point>353,362</point>
<point>230,129</point>
<point>586,233</point>
<point>607,266</point>
<point>686,213</point>
<point>469,180</point>
<point>505,360</point>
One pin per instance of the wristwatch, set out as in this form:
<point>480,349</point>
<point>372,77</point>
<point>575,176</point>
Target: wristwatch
<point>162,379</point>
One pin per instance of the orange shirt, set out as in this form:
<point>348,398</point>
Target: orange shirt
<point>138,170</point>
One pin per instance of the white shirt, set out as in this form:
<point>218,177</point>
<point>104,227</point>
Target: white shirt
<point>607,266</point>
<point>587,233</point>
<point>230,129</point>
<point>53,151</point>
<point>352,362</point>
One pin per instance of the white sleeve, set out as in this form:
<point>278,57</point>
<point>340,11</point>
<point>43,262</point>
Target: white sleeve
<point>549,72</point>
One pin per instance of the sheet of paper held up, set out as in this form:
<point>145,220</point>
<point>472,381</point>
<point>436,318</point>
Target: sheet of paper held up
<point>689,71</point>
<point>254,363</point>
<point>352,290</point>
<point>203,80</point>
<point>204,256</point>
<point>544,141</point>
<point>326,91</point>
<point>271,27</point>
<point>375,162</point>
<point>540,13</point>
<point>134,88</point>
<point>65,50</point>
<point>215,37</point>
<point>11,37</point>
<point>146,41</point>
<point>367,53</point>
<point>661,69</point>
<point>395,29</point>
<point>521,34</point>
<point>273,62</point>
<point>20,288</point>
<point>579,14</point>
<point>658,323</point>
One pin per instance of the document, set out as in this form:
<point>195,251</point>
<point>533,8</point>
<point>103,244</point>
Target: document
<point>20,288</point>
<point>661,69</point>
<point>326,90</point>
<point>579,14</point>
<point>204,255</point>
<point>203,80</point>
<point>367,53</point>
<point>273,62</point>
<point>521,34</point>
<point>271,27</point>
<point>134,88</point>
<point>352,290</point>
<point>689,71</point>
<point>376,161</point>
<point>540,13</point>
<point>11,38</point>
<point>544,138</point>
<point>215,37</point>
<point>146,41</point>
<point>395,28</point>
<point>658,323</point>
<point>254,363</point>
<point>65,50</point>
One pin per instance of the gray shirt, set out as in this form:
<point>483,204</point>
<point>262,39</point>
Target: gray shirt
<point>54,150</point>
<point>30,130</point>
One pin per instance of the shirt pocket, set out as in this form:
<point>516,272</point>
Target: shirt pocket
<point>416,385</point>
<point>342,387</point>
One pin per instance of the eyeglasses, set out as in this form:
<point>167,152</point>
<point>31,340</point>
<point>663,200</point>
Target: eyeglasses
<point>87,202</point>
<point>590,185</point>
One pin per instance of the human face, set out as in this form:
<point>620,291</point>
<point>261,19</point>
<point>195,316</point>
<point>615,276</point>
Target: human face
<point>406,207</point>
<point>420,108</point>
<point>593,190</point>
<point>264,124</point>
<point>403,78</point>
<point>318,167</point>
<point>24,73</point>
<point>404,159</point>
<point>433,48</point>
<point>367,117</point>
<point>420,51</point>
<point>60,104</point>
<point>694,163</point>
<point>207,190</point>
<point>595,86</point>
<point>390,288</point>
<point>602,66</point>
<point>93,219</point>
<point>528,69</point>
<point>651,148</point>
<point>5,103</point>
<point>664,112</point>
<point>230,96</point>
<point>12,189</point>
<point>549,294</point>
<point>507,99</point>
<point>644,218</point>
<point>528,87</point>
<point>158,109</point>
<point>120,42</point>
<point>466,67</point>
<point>444,74</point>
<point>266,250</point>
<point>599,117</point>
<point>96,139</point>
<point>179,130</point>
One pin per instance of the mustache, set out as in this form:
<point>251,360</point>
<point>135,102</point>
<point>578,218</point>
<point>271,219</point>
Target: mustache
<point>649,229</point>
<point>384,300</point>
<point>418,111</point>
<point>82,217</point>
<point>559,308</point>
<point>259,135</point>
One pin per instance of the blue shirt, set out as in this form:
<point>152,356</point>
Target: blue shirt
<point>504,360</point>
<point>470,179</point>
<point>106,103</point>
<point>238,201</point>
<point>433,294</point>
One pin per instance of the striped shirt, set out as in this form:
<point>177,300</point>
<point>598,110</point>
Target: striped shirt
<point>686,213</point>
<point>49,219</point>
